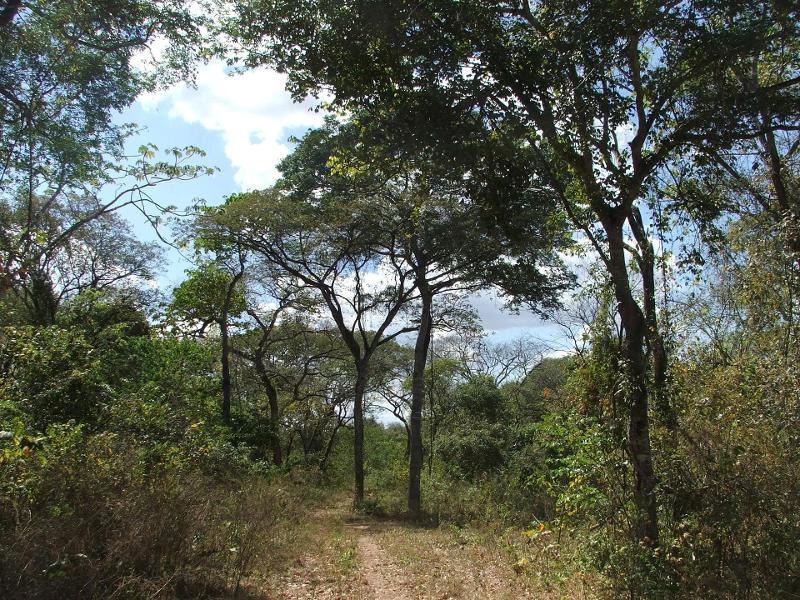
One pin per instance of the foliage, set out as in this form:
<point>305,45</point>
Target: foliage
<point>567,78</point>
<point>474,442</point>
<point>51,376</point>
<point>104,428</point>
<point>73,525</point>
<point>475,143</point>
<point>66,68</point>
<point>203,294</point>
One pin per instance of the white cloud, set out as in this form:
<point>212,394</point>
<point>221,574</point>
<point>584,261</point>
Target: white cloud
<point>494,317</point>
<point>252,112</point>
<point>559,353</point>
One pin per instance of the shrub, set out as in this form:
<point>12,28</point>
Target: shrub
<point>94,516</point>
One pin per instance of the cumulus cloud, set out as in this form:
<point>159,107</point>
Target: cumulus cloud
<point>251,111</point>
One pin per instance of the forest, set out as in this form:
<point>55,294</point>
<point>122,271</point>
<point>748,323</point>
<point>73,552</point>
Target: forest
<point>317,410</point>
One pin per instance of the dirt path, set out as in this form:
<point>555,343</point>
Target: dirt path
<point>384,578</point>
<point>343,556</point>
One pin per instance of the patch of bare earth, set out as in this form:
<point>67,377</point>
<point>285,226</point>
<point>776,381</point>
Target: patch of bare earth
<point>385,579</point>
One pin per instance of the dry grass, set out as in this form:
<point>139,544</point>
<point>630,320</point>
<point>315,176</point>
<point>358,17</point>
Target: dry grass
<point>449,562</point>
<point>323,558</point>
<point>176,538</point>
<point>191,536</point>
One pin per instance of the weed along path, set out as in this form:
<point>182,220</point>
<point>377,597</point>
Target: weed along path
<point>337,554</point>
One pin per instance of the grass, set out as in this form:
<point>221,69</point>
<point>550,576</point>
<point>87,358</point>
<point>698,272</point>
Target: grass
<point>475,563</point>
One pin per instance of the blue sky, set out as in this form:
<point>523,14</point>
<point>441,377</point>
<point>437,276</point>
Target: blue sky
<point>166,132</point>
<point>243,123</point>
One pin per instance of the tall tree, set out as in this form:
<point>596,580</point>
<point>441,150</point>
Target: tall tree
<point>759,171</point>
<point>432,211</point>
<point>56,241</point>
<point>435,213</point>
<point>606,94</point>
<point>103,254</point>
<point>67,67</point>
<point>294,360</point>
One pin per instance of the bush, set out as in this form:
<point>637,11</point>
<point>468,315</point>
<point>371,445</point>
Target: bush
<point>94,516</point>
<point>732,484</point>
<point>51,375</point>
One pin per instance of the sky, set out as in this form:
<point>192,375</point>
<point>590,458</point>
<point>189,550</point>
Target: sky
<point>243,122</point>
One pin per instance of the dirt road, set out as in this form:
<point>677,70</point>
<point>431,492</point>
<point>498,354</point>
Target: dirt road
<point>344,556</point>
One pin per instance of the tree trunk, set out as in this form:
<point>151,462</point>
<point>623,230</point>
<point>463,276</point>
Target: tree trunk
<point>274,425</point>
<point>305,441</point>
<point>323,463</point>
<point>633,323</point>
<point>257,358</point>
<point>226,367</point>
<point>433,421</point>
<point>362,378</point>
<point>289,445</point>
<point>41,300</point>
<point>647,266</point>
<point>417,401</point>
<point>274,410</point>
<point>226,370</point>
<point>656,341</point>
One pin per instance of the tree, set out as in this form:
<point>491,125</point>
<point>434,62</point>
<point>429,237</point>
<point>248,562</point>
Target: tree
<point>759,171</point>
<point>326,247</point>
<point>474,441</point>
<point>74,369</point>
<point>212,294</point>
<point>55,241</point>
<point>66,68</point>
<point>258,354</point>
<point>298,362</point>
<point>502,362</point>
<point>102,254</point>
<point>605,94</point>
<point>424,204</point>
